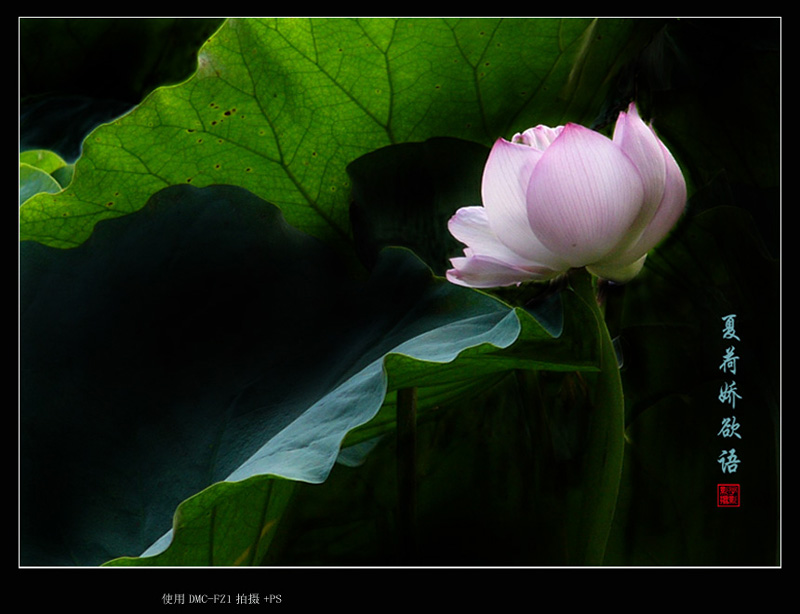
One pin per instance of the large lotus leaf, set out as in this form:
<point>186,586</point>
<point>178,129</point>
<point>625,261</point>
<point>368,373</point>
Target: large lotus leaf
<point>281,106</point>
<point>203,339</point>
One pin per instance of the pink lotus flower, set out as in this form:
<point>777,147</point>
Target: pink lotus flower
<point>557,198</point>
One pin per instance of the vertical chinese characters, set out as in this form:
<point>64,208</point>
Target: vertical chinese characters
<point>728,459</point>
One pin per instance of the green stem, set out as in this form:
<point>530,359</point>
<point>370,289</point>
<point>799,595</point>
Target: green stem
<point>407,472</point>
<point>603,470</point>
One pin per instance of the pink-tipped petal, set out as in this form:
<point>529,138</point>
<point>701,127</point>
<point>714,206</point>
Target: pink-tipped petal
<point>583,196</point>
<point>484,272</point>
<point>470,225</point>
<point>669,211</point>
<point>642,146</point>
<point>505,181</point>
<point>488,263</point>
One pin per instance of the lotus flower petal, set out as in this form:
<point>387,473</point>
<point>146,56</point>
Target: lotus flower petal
<point>470,225</point>
<point>488,262</point>
<point>505,181</point>
<point>583,196</point>
<point>539,137</point>
<point>483,272</point>
<point>669,211</point>
<point>642,146</point>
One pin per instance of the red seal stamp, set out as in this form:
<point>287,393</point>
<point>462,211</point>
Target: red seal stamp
<point>728,495</point>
